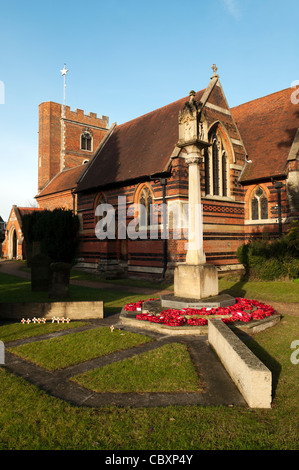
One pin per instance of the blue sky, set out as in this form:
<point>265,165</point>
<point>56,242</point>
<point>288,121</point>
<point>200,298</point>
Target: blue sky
<point>128,57</point>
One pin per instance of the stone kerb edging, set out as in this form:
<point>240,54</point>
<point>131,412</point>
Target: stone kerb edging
<point>251,376</point>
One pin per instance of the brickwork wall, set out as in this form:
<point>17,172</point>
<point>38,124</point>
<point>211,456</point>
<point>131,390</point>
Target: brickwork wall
<point>75,123</point>
<point>49,142</point>
<point>7,248</point>
<point>60,138</point>
<point>223,218</point>
<point>63,200</point>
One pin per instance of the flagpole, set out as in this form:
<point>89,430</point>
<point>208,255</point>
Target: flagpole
<point>64,71</point>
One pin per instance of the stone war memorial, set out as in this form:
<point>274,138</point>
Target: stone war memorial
<point>196,283</point>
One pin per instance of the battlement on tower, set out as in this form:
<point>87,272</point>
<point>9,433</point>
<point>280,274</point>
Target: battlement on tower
<point>89,118</point>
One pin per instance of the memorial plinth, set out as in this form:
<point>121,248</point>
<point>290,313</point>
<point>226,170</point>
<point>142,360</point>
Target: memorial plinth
<point>195,279</point>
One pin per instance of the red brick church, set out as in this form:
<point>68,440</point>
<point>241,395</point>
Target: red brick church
<point>249,179</point>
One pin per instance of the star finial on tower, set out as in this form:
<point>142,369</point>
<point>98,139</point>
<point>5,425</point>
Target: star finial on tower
<point>64,71</point>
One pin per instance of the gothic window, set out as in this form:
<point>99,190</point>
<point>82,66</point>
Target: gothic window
<point>259,205</point>
<point>86,141</point>
<point>216,167</point>
<point>146,200</point>
<point>215,162</point>
<point>224,174</point>
<point>207,171</point>
<point>100,202</point>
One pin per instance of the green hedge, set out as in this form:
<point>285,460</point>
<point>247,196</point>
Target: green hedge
<point>270,260</point>
<point>56,231</point>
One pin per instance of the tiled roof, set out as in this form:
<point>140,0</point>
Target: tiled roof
<point>268,127</point>
<point>63,181</point>
<point>136,149</point>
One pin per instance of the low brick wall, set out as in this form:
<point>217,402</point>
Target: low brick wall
<point>72,310</point>
<point>251,376</point>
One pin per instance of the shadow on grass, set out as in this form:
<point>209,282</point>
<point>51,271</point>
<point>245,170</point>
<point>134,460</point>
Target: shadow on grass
<point>269,361</point>
<point>237,290</point>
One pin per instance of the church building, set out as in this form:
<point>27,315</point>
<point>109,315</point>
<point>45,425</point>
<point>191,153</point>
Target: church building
<point>249,178</point>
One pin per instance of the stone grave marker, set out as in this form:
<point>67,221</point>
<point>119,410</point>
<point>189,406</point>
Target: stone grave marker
<point>60,279</point>
<point>40,273</point>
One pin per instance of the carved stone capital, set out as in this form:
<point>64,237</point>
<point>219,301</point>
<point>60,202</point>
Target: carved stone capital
<point>193,158</point>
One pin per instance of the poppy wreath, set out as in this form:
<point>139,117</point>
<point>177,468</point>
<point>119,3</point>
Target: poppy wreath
<point>137,306</point>
<point>243,310</point>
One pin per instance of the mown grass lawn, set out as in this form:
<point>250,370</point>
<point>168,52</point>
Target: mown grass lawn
<point>30,419</point>
<point>166,369</point>
<point>16,289</point>
<point>14,331</point>
<point>267,291</point>
<point>64,351</point>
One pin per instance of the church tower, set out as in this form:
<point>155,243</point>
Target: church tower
<point>66,139</point>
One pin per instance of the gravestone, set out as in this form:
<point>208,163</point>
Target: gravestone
<point>60,280</point>
<point>40,273</point>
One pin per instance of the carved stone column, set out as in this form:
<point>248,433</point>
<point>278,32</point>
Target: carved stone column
<point>195,253</point>
<point>194,279</point>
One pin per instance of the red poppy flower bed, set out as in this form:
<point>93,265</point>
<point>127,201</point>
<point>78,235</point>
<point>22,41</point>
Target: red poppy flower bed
<point>243,310</point>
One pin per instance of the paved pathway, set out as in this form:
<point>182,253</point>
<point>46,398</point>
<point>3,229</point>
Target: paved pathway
<point>218,388</point>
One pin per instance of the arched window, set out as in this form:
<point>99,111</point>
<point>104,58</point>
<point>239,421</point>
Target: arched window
<point>104,217</point>
<point>259,204</point>
<point>215,163</point>
<point>145,199</point>
<point>86,141</point>
<point>99,200</point>
<point>224,173</point>
<point>216,167</point>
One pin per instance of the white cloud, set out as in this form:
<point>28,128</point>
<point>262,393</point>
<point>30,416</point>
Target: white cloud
<point>233,8</point>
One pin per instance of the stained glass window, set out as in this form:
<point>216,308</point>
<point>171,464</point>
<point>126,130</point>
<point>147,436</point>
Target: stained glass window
<point>146,200</point>
<point>254,209</point>
<point>215,159</point>
<point>216,167</point>
<point>207,172</point>
<point>264,207</point>
<point>259,205</point>
<point>224,175</point>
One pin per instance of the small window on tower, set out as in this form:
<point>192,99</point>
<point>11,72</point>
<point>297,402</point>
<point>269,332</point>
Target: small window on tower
<point>86,141</point>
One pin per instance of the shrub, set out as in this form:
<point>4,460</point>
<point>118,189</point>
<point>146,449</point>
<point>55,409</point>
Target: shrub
<point>269,260</point>
<point>56,231</point>
<point>291,267</point>
<point>271,269</point>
